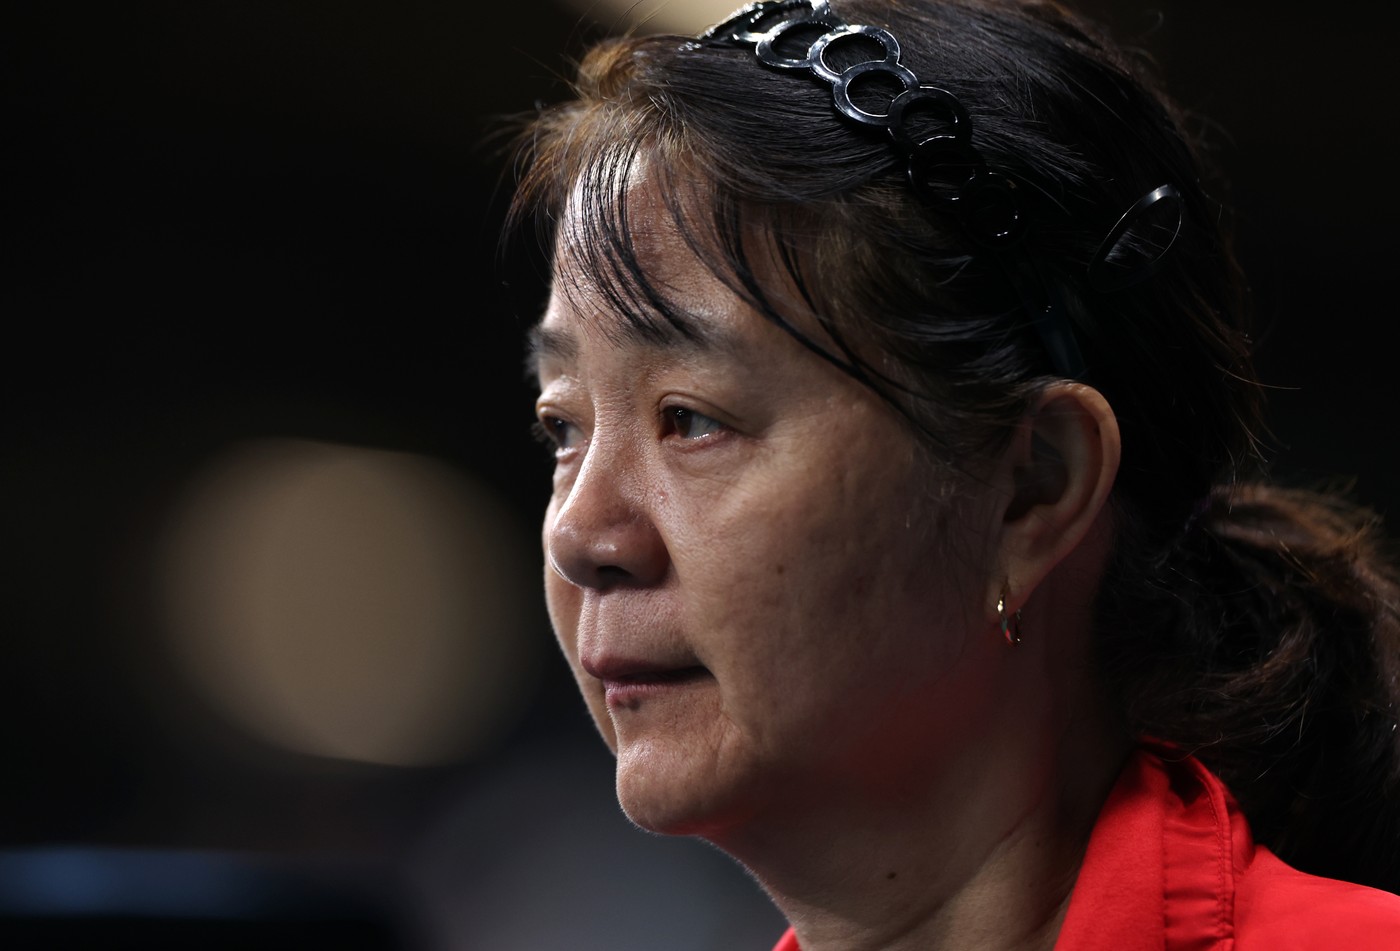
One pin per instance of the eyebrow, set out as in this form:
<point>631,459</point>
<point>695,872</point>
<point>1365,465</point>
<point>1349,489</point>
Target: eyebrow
<point>545,344</point>
<point>680,333</point>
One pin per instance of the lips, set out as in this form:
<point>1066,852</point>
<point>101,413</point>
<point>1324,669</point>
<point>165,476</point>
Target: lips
<point>628,684</point>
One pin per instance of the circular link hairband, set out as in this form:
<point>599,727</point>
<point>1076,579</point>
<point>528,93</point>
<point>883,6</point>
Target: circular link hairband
<point>943,168</point>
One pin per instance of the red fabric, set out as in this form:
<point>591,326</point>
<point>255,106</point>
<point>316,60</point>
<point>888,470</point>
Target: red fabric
<point>788,942</point>
<point>1171,866</point>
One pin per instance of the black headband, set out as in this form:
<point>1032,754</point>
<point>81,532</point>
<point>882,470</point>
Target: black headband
<point>944,168</point>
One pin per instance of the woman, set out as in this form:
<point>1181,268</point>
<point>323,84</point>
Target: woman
<point>906,539</point>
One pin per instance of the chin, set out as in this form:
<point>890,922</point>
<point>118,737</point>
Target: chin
<point>673,791</point>
<point>667,811</point>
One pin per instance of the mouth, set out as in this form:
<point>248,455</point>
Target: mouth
<point>628,685</point>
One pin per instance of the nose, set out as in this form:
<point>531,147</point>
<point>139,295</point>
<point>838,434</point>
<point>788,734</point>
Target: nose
<point>603,534</point>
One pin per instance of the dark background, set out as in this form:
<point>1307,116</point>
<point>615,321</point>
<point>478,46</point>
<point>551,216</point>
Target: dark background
<point>223,220</point>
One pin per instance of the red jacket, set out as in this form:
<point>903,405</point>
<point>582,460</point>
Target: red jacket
<point>1171,866</point>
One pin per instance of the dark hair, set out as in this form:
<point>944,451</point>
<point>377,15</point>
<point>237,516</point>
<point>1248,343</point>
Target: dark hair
<point>1251,624</point>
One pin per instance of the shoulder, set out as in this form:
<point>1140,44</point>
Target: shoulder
<point>1278,908</point>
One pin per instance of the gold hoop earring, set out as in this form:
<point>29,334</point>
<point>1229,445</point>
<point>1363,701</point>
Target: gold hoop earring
<point>1010,622</point>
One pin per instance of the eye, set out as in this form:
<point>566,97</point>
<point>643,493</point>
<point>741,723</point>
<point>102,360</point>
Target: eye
<point>688,424</point>
<point>556,433</point>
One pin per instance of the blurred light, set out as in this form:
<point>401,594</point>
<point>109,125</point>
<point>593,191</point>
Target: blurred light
<point>98,881</point>
<point>657,16</point>
<point>352,603</point>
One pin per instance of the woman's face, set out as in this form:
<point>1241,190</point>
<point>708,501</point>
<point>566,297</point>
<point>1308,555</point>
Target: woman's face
<point>746,565</point>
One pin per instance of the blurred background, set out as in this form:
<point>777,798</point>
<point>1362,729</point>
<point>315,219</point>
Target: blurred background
<point>274,667</point>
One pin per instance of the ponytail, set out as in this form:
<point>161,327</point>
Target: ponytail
<point>1273,653</point>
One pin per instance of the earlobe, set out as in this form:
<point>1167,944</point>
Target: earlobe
<point>1062,466</point>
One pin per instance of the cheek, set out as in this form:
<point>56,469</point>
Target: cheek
<point>829,565</point>
<point>846,563</point>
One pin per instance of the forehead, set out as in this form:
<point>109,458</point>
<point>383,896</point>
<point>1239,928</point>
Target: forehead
<point>710,321</point>
<point>629,270</point>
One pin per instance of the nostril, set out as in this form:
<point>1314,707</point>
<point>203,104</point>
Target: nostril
<point>586,569</point>
<point>612,575</point>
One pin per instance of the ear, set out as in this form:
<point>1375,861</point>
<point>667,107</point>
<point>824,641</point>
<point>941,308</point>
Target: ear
<point>1059,471</point>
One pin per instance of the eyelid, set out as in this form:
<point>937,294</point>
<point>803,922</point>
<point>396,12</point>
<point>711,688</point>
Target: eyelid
<point>551,428</point>
<point>677,416</point>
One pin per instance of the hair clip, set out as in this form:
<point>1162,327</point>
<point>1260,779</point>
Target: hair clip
<point>1106,277</point>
